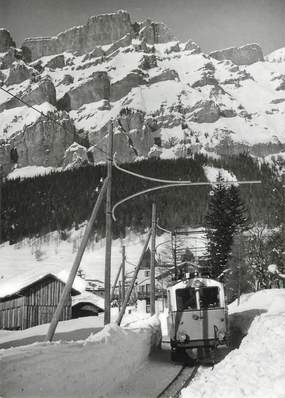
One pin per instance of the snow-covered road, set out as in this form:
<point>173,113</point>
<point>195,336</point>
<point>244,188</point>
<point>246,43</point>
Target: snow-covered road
<point>152,377</point>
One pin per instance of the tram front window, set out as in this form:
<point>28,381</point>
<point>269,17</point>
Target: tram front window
<point>209,297</point>
<point>186,299</point>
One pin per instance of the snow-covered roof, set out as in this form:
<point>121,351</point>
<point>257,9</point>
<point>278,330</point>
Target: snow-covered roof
<point>191,282</point>
<point>11,286</point>
<point>89,298</point>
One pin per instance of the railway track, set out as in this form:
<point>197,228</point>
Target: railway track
<point>180,381</point>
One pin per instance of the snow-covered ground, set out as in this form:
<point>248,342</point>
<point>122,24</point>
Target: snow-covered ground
<point>51,254</point>
<point>115,361</point>
<point>257,368</point>
<point>86,368</point>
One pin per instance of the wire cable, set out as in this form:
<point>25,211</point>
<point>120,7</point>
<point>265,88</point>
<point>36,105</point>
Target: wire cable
<point>50,118</point>
<point>32,107</point>
<point>163,229</point>
<point>178,182</point>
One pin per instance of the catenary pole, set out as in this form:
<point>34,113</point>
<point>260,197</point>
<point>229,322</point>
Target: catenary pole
<point>107,316</point>
<point>116,281</point>
<point>1,180</point>
<point>152,260</point>
<point>129,292</point>
<point>123,272</point>
<point>76,264</point>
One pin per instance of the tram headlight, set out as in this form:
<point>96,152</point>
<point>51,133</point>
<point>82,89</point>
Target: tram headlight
<point>221,335</point>
<point>182,337</point>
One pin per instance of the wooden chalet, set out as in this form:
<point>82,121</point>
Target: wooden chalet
<point>87,304</point>
<point>32,301</point>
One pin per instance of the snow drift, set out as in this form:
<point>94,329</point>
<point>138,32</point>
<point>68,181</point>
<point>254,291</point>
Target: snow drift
<point>75,369</point>
<point>257,368</point>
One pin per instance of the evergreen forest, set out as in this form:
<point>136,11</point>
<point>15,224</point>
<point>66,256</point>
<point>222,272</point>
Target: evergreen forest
<point>62,200</point>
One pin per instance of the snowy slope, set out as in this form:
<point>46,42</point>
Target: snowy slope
<point>276,56</point>
<point>257,368</point>
<point>31,258</point>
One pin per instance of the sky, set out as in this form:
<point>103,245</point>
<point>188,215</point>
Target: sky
<point>213,24</point>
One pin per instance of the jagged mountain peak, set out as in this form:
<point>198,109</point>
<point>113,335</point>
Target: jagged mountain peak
<point>99,30</point>
<point>163,95</point>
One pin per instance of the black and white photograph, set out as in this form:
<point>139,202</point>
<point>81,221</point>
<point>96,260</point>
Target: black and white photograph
<point>142,198</point>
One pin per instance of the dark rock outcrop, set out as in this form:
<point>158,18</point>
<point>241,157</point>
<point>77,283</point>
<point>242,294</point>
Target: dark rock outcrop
<point>192,46</point>
<point>67,79</point>
<point>44,91</point>
<point>2,76</point>
<point>122,87</point>
<point>245,55</point>
<point>6,40</point>
<point>94,89</point>
<point>75,156</point>
<point>99,30</point>
<point>56,62</point>
<point>19,72</point>
<point>121,43</point>
<point>44,142</point>
<point>168,74</point>
<point>227,146</point>
<point>206,79</point>
<point>95,53</point>
<point>155,32</point>
<point>282,83</point>
<point>7,59</point>
<point>148,62</point>
<point>173,49</point>
<point>205,112</point>
<point>5,157</point>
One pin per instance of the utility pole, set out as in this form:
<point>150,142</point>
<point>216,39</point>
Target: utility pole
<point>152,260</point>
<point>123,272</point>
<point>132,284</point>
<point>1,180</point>
<point>121,269</point>
<point>107,316</point>
<point>76,264</point>
<point>283,218</point>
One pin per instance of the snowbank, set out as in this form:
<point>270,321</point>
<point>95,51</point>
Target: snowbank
<point>257,368</point>
<point>78,368</point>
<point>29,172</point>
<point>70,329</point>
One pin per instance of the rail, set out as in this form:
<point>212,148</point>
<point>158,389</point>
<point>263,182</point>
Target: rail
<point>179,382</point>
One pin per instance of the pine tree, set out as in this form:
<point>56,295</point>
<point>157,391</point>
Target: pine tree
<point>226,215</point>
<point>239,277</point>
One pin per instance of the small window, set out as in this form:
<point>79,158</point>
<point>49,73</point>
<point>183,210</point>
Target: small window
<point>185,299</point>
<point>157,141</point>
<point>14,155</point>
<point>147,288</point>
<point>146,274</point>
<point>209,297</point>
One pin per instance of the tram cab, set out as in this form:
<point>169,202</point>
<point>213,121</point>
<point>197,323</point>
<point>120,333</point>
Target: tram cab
<point>198,315</point>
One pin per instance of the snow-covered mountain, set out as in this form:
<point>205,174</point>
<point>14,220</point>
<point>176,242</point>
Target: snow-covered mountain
<point>166,98</point>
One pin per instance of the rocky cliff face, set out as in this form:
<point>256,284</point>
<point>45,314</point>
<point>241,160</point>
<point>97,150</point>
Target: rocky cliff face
<point>44,142</point>
<point>6,41</point>
<point>18,73</point>
<point>245,55</point>
<point>165,98</point>
<point>35,94</point>
<point>99,31</point>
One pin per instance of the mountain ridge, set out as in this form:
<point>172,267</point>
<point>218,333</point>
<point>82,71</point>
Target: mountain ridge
<point>166,98</point>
